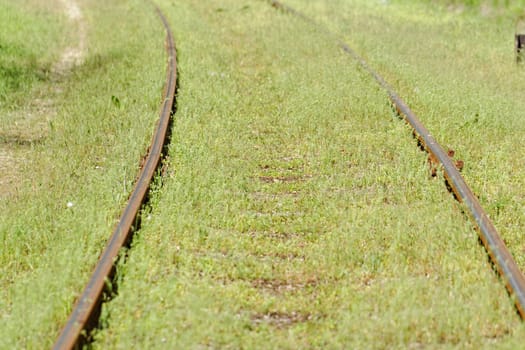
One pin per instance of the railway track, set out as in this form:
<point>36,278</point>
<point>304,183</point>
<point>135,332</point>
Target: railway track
<point>500,256</point>
<point>84,317</point>
<point>85,314</point>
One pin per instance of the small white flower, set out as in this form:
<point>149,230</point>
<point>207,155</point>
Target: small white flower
<point>69,204</point>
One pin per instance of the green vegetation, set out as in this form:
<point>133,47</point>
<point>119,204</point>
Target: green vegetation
<point>299,212</point>
<point>483,5</point>
<point>26,43</point>
<point>458,73</point>
<point>296,210</point>
<point>73,180</point>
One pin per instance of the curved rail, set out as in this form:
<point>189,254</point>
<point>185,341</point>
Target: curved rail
<point>492,241</point>
<point>87,310</point>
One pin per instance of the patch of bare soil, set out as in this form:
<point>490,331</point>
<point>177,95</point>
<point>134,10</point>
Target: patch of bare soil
<point>72,55</point>
<point>9,163</point>
<point>279,236</point>
<point>456,8</point>
<point>281,319</point>
<point>16,140</point>
<point>284,179</point>
<point>279,286</point>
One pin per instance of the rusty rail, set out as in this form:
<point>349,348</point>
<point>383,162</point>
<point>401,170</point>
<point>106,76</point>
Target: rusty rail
<point>492,241</point>
<point>85,314</point>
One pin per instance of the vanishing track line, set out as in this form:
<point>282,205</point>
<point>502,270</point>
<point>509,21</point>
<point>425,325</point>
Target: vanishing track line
<point>491,239</point>
<point>86,312</point>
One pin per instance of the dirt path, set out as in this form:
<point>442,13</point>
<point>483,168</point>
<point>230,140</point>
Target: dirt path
<point>73,55</point>
<point>30,123</point>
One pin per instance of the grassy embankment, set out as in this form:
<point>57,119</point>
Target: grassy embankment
<point>298,211</point>
<point>75,138</point>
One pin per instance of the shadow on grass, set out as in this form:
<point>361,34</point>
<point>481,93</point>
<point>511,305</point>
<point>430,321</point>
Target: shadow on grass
<point>19,69</point>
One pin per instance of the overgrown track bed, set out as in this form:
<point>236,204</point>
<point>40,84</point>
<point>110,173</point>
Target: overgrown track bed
<point>84,316</point>
<point>296,211</point>
<point>493,243</point>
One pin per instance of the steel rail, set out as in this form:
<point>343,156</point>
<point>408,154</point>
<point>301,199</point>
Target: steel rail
<point>500,256</point>
<point>87,309</point>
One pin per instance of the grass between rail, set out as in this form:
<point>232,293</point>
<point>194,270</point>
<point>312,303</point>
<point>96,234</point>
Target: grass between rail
<point>69,183</point>
<point>297,211</point>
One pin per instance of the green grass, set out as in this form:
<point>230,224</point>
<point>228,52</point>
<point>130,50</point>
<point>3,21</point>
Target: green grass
<point>24,48</point>
<point>459,75</point>
<point>515,6</point>
<point>299,212</point>
<point>88,155</point>
<point>28,47</point>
